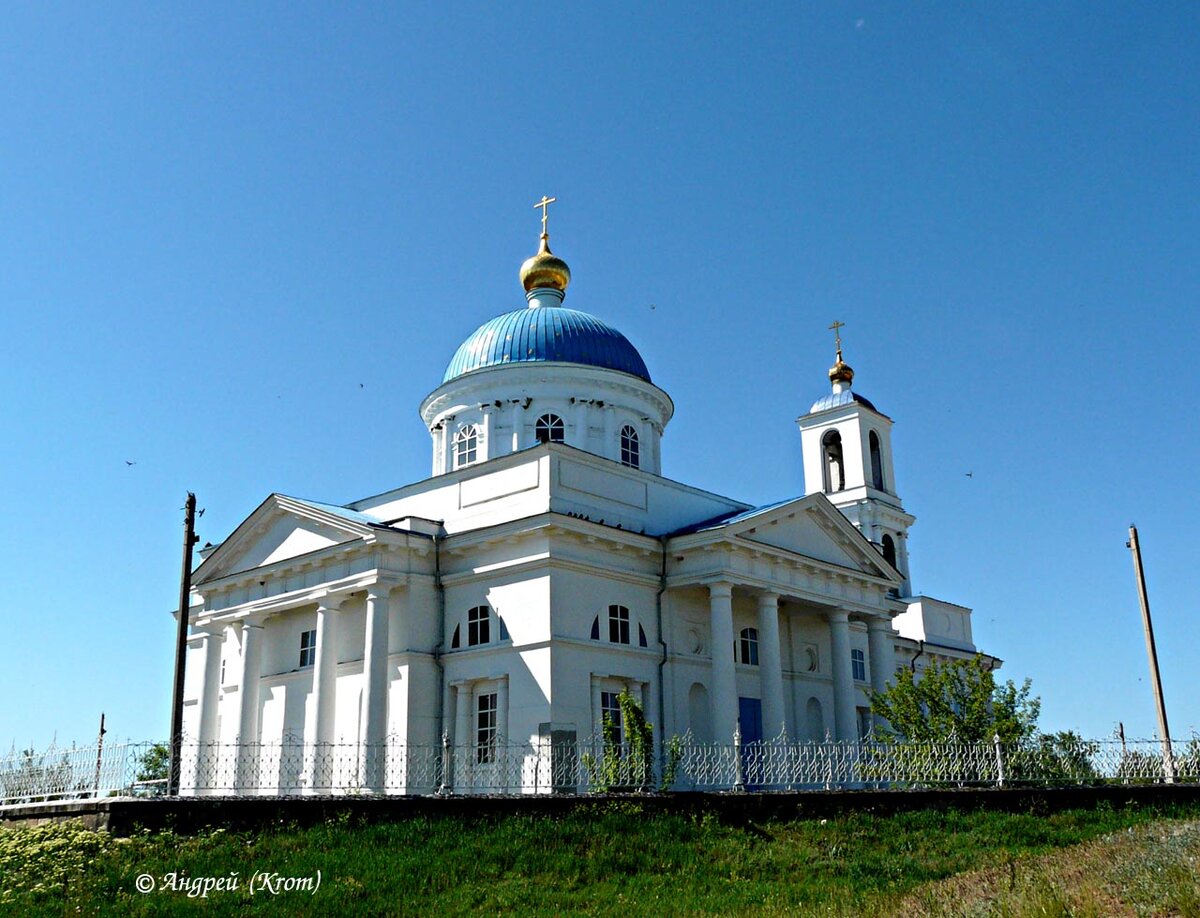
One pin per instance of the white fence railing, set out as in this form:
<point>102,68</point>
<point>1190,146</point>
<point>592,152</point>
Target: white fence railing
<point>539,766</point>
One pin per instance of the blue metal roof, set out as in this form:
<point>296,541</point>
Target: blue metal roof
<point>354,516</point>
<point>734,516</point>
<point>838,399</point>
<point>543,334</point>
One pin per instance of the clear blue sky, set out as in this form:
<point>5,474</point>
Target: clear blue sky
<point>239,244</point>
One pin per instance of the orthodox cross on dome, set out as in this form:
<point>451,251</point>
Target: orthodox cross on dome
<point>544,203</point>
<point>836,328</point>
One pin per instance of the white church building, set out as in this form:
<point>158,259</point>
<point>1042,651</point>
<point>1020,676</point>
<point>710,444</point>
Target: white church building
<point>546,565</point>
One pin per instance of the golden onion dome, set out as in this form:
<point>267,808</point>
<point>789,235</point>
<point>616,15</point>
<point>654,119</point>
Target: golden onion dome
<point>545,269</point>
<point>841,371</point>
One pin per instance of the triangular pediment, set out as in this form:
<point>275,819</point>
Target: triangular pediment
<point>814,528</point>
<point>281,528</point>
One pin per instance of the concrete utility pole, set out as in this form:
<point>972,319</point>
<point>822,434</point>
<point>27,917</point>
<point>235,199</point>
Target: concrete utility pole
<point>185,592</point>
<point>1152,653</point>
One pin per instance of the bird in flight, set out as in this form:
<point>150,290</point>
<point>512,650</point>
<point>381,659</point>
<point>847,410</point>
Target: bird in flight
<point>970,474</point>
<point>130,462</point>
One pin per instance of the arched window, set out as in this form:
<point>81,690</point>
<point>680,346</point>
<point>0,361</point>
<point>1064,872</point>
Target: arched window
<point>618,624</point>
<point>876,462</point>
<point>479,626</point>
<point>834,471</point>
<point>550,429</point>
<point>889,550</point>
<point>630,450</point>
<point>748,646</point>
<point>466,446</point>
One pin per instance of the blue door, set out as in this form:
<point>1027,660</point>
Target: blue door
<point>750,716</point>
<point>750,713</point>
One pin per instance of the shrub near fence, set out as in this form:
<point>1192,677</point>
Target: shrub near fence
<point>594,765</point>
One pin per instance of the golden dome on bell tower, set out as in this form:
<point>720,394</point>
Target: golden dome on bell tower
<point>545,270</point>
<point>840,372</point>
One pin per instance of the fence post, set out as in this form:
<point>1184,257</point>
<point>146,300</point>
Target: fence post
<point>739,779</point>
<point>447,784</point>
<point>999,760</point>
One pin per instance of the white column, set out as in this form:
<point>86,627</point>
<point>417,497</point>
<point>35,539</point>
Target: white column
<point>882,652</point>
<point>902,559</point>
<point>206,751</point>
<point>249,674</point>
<point>724,698</point>
<point>318,729</point>
<point>210,689</point>
<point>770,665</point>
<point>607,448</point>
<point>375,690</point>
<point>844,717</point>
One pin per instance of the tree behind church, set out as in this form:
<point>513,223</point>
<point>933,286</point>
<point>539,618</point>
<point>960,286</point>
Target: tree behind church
<point>959,700</point>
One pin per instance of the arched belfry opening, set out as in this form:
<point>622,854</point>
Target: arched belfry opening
<point>833,465</point>
<point>889,550</point>
<point>876,462</point>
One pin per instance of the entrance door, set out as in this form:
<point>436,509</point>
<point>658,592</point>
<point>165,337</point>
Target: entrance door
<point>753,766</point>
<point>750,713</point>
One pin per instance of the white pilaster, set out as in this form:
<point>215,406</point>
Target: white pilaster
<point>375,689</point>
<point>486,449</point>
<point>581,424</point>
<point>770,665</point>
<point>607,448</point>
<point>447,446</point>
<point>724,682</point>
<point>845,720</point>
<point>597,710</point>
<point>518,425</point>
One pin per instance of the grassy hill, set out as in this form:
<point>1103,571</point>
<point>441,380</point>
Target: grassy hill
<point>613,858</point>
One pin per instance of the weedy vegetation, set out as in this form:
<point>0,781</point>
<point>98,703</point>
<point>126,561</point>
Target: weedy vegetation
<point>612,857</point>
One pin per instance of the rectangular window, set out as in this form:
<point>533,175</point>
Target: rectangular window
<point>618,624</point>
<point>748,646</point>
<point>485,729</point>
<point>610,716</point>
<point>308,648</point>
<point>858,663</point>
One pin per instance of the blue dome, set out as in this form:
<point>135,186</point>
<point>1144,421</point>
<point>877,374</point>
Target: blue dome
<point>546,333</point>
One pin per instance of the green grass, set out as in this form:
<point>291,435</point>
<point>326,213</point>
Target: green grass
<point>611,858</point>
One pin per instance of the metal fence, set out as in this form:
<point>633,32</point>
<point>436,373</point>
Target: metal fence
<point>592,765</point>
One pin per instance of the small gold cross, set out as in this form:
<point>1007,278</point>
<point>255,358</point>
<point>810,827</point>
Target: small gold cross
<point>543,204</point>
<point>836,328</point>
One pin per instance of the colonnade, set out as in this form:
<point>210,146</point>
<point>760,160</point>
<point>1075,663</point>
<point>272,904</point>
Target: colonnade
<point>724,695</point>
<point>321,711</point>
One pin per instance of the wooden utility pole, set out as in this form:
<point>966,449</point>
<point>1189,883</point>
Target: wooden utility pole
<point>185,593</point>
<point>1152,653</point>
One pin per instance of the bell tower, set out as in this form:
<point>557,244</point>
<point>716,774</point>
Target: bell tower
<point>846,443</point>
